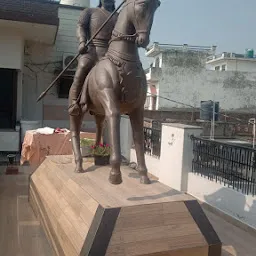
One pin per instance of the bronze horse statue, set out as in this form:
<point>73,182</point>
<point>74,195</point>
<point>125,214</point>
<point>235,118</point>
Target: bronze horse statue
<point>117,85</point>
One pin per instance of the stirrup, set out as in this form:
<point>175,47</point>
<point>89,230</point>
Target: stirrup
<point>74,109</point>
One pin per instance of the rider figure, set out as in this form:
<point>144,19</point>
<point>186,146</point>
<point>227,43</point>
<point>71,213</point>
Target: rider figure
<point>89,22</point>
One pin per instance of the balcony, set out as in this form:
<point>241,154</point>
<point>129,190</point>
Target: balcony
<point>227,55</point>
<point>153,74</point>
<point>35,20</point>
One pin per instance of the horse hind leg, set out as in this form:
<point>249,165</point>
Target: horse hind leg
<point>75,128</point>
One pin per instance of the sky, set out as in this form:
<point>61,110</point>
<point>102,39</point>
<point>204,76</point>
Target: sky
<point>228,24</point>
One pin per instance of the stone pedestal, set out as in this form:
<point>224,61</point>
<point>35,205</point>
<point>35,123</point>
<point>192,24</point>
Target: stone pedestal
<point>83,214</point>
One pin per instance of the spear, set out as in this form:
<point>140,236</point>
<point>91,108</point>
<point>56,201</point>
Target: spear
<point>70,63</point>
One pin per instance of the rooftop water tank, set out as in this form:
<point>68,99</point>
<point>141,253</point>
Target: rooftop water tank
<point>249,53</point>
<point>206,110</point>
<point>80,3</point>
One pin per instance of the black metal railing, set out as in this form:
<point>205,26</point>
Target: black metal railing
<point>232,165</point>
<point>152,141</point>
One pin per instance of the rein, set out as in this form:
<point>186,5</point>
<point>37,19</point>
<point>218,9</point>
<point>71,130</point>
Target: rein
<point>130,38</point>
<point>120,36</point>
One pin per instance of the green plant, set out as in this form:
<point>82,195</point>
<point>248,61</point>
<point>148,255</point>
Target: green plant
<point>101,150</point>
<point>86,142</point>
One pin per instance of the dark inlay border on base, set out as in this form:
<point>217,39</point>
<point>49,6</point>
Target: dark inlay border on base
<point>205,226</point>
<point>100,232</point>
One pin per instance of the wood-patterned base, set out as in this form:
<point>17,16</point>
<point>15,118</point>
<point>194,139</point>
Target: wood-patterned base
<point>83,214</point>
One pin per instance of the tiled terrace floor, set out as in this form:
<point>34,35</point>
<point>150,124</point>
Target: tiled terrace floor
<point>22,235</point>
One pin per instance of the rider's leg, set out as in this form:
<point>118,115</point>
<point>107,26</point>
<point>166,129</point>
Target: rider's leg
<point>85,64</point>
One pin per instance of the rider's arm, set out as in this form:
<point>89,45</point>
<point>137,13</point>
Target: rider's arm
<point>83,25</point>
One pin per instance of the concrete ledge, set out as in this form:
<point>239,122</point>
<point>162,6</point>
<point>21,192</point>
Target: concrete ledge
<point>238,206</point>
<point>182,126</point>
<point>228,218</point>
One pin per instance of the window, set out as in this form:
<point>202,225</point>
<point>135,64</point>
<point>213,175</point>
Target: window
<point>157,62</point>
<point>147,103</point>
<point>223,67</point>
<point>64,86</point>
<point>217,68</point>
<point>154,99</point>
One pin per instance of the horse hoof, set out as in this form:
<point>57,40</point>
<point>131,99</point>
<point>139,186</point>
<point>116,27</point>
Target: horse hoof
<point>145,180</point>
<point>115,178</point>
<point>79,170</point>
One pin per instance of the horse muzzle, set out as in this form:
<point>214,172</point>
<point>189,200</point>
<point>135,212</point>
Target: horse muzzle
<point>142,40</point>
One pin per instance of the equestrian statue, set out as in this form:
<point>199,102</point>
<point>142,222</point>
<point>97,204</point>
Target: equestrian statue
<point>110,79</point>
<point>117,85</point>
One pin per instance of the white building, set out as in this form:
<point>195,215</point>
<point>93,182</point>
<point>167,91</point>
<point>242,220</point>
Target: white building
<point>36,36</point>
<point>161,54</point>
<point>232,62</point>
<point>179,74</point>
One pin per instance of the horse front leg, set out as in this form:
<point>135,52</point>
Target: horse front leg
<point>112,112</point>
<point>75,127</point>
<point>137,121</point>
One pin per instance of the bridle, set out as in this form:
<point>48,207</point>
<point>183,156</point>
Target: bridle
<point>130,38</point>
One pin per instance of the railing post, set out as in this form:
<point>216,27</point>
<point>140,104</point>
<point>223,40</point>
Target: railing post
<point>177,154</point>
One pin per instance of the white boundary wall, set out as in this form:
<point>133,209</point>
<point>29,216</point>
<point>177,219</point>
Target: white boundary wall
<point>174,169</point>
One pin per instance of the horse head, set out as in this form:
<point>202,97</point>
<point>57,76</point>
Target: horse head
<point>142,16</point>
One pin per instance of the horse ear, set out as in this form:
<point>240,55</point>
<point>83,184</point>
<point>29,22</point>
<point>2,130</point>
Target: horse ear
<point>157,2</point>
